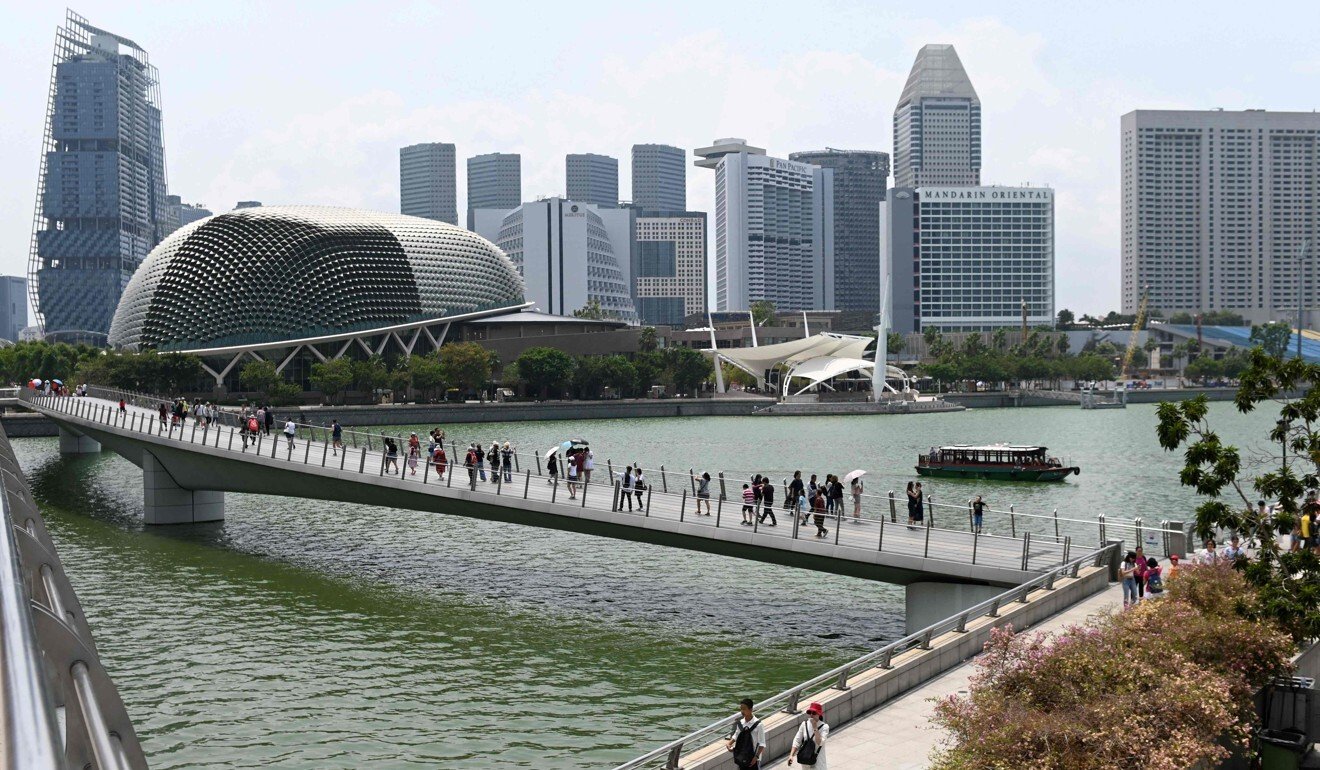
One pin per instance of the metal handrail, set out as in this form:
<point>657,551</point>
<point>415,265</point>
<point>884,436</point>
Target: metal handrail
<point>838,676</point>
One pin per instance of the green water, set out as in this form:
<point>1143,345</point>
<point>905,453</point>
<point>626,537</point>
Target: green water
<point>303,634</point>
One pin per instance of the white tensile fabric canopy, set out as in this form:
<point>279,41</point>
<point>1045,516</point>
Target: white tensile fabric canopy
<point>755,361</point>
<point>820,369</point>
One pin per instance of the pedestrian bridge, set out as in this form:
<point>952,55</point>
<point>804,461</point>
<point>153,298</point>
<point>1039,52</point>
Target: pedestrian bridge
<point>187,469</point>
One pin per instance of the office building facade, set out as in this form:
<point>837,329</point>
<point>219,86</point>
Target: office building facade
<point>571,254</point>
<point>669,265</point>
<point>101,196</point>
<point>937,124</point>
<point>860,178</point>
<point>1216,207</point>
<point>592,178</point>
<point>774,230</point>
<point>965,259</point>
<point>180,213</point>
<point>428,182</point>
<point>13,306</point>
<point>659,177</point>
<point>494,181</point>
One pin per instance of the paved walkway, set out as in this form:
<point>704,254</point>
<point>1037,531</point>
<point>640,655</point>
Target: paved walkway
<point>900,736</point>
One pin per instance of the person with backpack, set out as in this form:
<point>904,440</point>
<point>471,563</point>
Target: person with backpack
<point>747,741</point>
<point>809,743</point>
<point>253,431</point>
<point>470,462</point>
<point>1154,578</point>
<point>336,436</point>
<point>290,430</point>
<point>441,461</point>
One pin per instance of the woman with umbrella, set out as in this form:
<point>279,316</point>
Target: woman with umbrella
<point>552,465</point>
<point>854,480</point>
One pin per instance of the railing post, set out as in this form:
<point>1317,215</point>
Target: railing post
<point>614,502</point>
<point>1100,519</point>
<point>926,554</point>
<point>1012,521</point>
<point>887,658</point>
<point>723,496</point>
<point>930,501</point>
<point>1056,525</point>
<point>1026,550</point>
<point>797,518</point>
<point>882,534</point>
<point>893,509</point>
<point>426,468</point>
<point>538,461</point>
<point>692,480</point>
<point>307,453</point>
<point>192,437</point>
<point>1067,547</point>
<point>649,489</point>
<point>1137,523</point>
<point>449,471</point>
<point>554,489</point>
<point>719,508</point>
<point>971,523</point>
<point>325,444</point>
<point>842,682</point>
<point>230,447</point>
<point>976,540</point>
<point>362,466</point>
<point>584,494</point>
<point>682,507</point>
<point>961,628</point>
<point>675,752</point>
<point>527,487</point>
<point>792,706</point>
<point>994,609</point>
<point>664,483</point>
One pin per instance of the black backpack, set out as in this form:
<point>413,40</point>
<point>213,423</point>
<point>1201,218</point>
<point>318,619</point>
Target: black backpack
<point>744,750</point>
<point>808,751</point>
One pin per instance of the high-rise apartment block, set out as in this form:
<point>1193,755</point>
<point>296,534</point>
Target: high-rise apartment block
<point>181,213</point>
<point>427,182</point>
<point>965,259</point>
<point>1216,207</point>
<point>860,177</point>
<point>774,229</point>
<point>13,306</point>
<point>669,265</point>
<point>937,124</point>
<point>101,193</point>
<point>494,181</point>
<point>592,179</point>
<point>659,177</point>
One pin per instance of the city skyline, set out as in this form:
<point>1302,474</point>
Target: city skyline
<point>1054,84</point>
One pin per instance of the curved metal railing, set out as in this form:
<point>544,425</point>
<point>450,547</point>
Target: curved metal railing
<point>48,660</point>
<point>837,678</point>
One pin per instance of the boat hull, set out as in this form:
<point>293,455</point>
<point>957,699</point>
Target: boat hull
<point>996,474</point>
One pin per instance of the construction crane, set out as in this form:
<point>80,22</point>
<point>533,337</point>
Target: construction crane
<point>1132,341</point>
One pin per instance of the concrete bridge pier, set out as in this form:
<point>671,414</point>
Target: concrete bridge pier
<point>930,602</point>
<point>73,443</point>
<point>165,502</point>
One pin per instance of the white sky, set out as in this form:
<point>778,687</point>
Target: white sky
<point>308,102</point>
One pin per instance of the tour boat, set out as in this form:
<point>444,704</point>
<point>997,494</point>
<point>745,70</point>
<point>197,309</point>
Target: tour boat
<point>995,462</point>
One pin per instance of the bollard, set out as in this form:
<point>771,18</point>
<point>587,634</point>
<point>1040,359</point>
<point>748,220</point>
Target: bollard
<point>893,509</point>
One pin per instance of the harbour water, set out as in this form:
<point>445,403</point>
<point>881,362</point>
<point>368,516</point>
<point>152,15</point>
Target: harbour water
<point>304,634</point>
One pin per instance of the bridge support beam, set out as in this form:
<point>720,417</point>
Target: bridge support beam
<point>72,443</point>
<point>929,603</point>
<point>165,502</point>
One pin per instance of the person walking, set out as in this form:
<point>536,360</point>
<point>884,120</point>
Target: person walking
<point>441,461</point>
<point>122,406</point>
<point>414,453</point>
<point>749,503</point>
<point>493,457</point>
<point>1234,550</point>
<point>163,410</point>
<point>481,461</point>
<point>856,489</point>
<point>795,492</point>
<point>506,458</point>
<point>978,512</point>
<point>625,488</point>
<point>703,492</point>
<point>911,502</point>
<point>639,484</point>
<point>470,462</point>
<point>1140,573</point>
<point>809,742</point>
<point>1154,578</point>
<point>253,431</point>
<point>829,493</point>
<point>818,512</point>
<point>290,429</point>
<point>270,419</point>
<point>552,468</point>
<point>588,465</point>
<point>336,436</point>
<point>768,502</point>
<point>572,474</point>
<point>1127,574</point>
<point>836,495</point>
<point>747,741</point>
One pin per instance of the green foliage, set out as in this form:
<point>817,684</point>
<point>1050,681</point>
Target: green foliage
<point>465,365</point>
<point>22,361</point>
<point>620,374</point>
<point>260,376</point>
<point>147,372</point>
<point>1164,686</point>
<point>1273,338</point>
<point>370,375</point>
<point>588,377</point>
<point>332,377</point>
<point>545,369</point>
<point>1288,582</point>
<point>1065,319</point>
<point>647,341</point>
<point>1212,318</point>
<point>735,376</point>
<point>687,368</point>
<point>425,375</point>
<point>591,310</point>
<point>895,343</point>
<point>763,312</point>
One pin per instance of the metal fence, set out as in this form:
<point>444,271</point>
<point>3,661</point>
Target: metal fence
<point>48,661</point>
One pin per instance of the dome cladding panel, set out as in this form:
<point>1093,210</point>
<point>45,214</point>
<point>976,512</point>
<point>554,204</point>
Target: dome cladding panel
<point>286,272</point>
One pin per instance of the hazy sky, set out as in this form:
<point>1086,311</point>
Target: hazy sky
<point>309,102</point>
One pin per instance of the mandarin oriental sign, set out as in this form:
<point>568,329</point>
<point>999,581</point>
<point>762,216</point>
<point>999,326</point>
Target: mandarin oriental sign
<point>986,193</point>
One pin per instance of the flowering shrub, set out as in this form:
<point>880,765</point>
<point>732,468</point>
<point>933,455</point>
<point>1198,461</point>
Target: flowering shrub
<point>1161,686</point>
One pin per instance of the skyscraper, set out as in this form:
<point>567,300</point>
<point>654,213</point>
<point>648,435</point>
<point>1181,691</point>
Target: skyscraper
<point>592,179</point>
<point>669,265</point>
<point>1216,206</point>
<point>13,306</point>
<point>427,182</point>
<point>937,124</point>
<point>494,181</point>
<point>774,229</point>
<point>101,193</point>
<point>659,177</point>
<point>859,187</point>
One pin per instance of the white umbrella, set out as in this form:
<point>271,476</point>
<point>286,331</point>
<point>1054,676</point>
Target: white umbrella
<point>551,452</point>
<point>855,474</point>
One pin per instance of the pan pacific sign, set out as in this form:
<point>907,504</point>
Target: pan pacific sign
<point>986,193</point>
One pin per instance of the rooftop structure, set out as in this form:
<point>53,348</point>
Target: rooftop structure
<point>427,182</point>
<point>659,177</point>
<point>937,123</point>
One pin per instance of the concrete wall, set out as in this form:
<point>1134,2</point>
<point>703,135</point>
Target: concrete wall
<point>873,688</point>
<point>415,414</point>
<point>27,425</point>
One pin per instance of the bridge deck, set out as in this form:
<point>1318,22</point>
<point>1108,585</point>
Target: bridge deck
<point>213,458</point>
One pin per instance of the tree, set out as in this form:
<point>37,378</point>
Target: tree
<point>646,341</point>
<point>688,369</point>
<point>426,375</point>
<point>1065,320</point>
<point>1273,338</point>
<point>895,343</point>
<point>1089,366</point>
<point>332,377</point>
<point>619,373</point>
<point>999,340</point>
<point>763,312</point>
<point>1062,345</point>
<point>1203,368</point>
<point>973,345</point>
<point>588,377</point>
<point>591,311</point>
<point>370,375</point>
<point>1288,582</point>
<point>260,376</point>
<point>942,372</point>
<point>466,365</point>
<point>544,369</point>
<point>935,344</point>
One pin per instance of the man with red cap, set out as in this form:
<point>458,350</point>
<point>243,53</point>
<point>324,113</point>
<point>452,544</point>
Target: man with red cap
<point>809,743</point>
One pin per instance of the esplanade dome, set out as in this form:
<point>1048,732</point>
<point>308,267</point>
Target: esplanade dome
<point>276,273</point>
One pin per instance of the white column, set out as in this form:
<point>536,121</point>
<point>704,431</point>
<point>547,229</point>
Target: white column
<point>72,443</point>
<point>165,502</point>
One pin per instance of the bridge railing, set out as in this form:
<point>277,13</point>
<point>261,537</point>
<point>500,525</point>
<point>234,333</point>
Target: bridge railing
<point>788,701</point>
<point>48,660</point>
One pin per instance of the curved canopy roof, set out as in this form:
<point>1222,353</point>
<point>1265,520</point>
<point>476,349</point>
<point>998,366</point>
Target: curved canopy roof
<point>823,368</point>
<point>757,360</point>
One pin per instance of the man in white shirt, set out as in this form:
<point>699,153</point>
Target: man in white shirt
<point>748,739</point>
